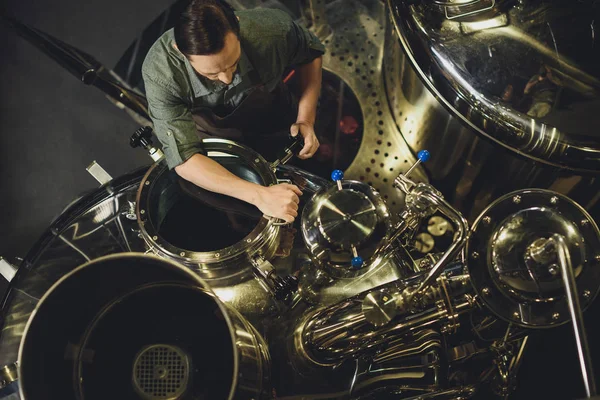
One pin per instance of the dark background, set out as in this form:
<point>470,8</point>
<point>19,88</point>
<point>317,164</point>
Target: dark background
<point>52,127</point>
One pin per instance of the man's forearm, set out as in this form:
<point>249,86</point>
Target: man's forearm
<point>210,175</point>
<point>310,87</point>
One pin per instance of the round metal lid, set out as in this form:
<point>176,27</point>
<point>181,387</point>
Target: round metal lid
<point>525,74</point>
<point>347,218</point>
<point>511,271</point>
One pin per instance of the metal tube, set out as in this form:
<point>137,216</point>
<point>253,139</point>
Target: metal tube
<point>585,360</point>
<point>459,241</point>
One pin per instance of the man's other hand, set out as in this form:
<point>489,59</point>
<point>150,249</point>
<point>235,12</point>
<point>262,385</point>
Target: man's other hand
<point>311,143</point>
<point>279,201</point>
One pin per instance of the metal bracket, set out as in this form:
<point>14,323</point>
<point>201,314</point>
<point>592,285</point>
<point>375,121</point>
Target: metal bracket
<point>7,270</point>
<point>99,173</point>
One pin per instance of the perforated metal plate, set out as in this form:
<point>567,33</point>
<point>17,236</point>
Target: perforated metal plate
<point>354,53</point>
<point>161,372</point>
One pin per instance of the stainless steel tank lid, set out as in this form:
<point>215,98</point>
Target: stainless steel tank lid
<point>524,74</point>
<point>346,218</point>
<point>517,287</point>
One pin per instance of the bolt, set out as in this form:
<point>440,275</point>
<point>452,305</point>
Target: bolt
<point>182,253</point>
<point>553,200</point>
<point>147,183</point>
<point>516,199</point>
<point>248,240</point>
<point>154,237</point>
<point>486,291</point>
<point>217,255</point>
<point>584,222</point>
<point>586,294</point>
<point>555,316</point>
<point>142,211</point>
<point>256,160</point>
<point>553,269</point>
<point>487,220</point>
<point>475,255</point>
<point>597,257</point>
<point>516,315</point>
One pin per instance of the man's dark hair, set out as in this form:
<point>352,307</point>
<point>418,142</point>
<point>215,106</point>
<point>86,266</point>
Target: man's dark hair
<point>202,27</point>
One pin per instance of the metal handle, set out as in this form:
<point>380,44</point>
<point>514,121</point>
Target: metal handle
<point>583,350</point>
<point>291,150</point>
<point>276,221</point>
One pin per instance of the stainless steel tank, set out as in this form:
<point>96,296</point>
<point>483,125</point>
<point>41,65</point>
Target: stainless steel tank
<point>506,93</point>
<point>136,326</point>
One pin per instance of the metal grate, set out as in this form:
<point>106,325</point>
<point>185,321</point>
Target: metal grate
<point>161,372</point>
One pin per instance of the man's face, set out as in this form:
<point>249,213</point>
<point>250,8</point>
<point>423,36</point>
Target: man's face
<point>220,66</point>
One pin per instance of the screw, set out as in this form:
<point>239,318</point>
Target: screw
<point>248,240</point>
<point>584,222</point>
<point>217,255</point>
<point>553,269</point>
<point>256,160</point>
<point>586,294</point>
<point>553,200</point>
<point>182,253</point>
<point>487,220</point>
<point>475,255</point>
<point>555,316</point>
<point>597,257</point>
<point>147,183</point>
<point>142,211</point>
<point>516,315</point>
<point>516,199</point>
<point>154,237</point>
<point>485,291</point>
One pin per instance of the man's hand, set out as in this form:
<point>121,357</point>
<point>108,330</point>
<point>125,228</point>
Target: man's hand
<point>311,143</point>
<point>279,201</point>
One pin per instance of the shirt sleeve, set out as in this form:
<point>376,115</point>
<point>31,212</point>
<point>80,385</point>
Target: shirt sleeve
<point>303,45</point>
<point>173,124</point>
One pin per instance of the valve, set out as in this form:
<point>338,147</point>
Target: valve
<point>357,261</point>
<point>143,138</point>
<point>337,176</point>
<point>297,144</point>
<point>402,181</point>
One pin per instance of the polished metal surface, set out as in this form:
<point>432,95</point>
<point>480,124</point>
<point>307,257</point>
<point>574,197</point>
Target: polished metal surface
<point>345,330</point>
<point>84,308</point>
<point>347,218</point>
<point>522,74</point>
<point>583,348</point>
<point>458,88</point>
<point>216,263</point>
<point>354,51</point>
<point>337,223</point>
<point>379,308</point>
<point>509,264</point>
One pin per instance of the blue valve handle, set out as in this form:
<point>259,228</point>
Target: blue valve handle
<point>337,175</point>
<point>422,156</point>
<point>357,262</point>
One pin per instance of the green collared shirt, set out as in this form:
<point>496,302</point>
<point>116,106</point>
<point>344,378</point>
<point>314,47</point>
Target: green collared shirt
<point>271,42</point>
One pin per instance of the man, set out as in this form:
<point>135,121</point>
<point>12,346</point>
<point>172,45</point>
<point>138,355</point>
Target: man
<point>219,72</point>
